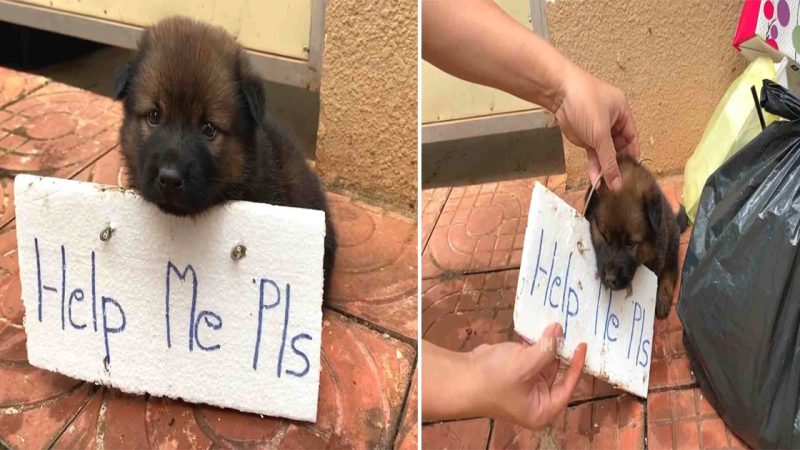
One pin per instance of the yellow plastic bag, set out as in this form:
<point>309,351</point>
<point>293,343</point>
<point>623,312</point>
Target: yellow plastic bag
<point>733,124</point>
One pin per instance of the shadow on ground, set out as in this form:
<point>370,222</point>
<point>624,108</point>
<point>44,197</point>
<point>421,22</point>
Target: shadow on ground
<point>500,157</point>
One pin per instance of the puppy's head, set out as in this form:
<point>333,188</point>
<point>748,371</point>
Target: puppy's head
<point>191,109</point>
<point>625,224</point>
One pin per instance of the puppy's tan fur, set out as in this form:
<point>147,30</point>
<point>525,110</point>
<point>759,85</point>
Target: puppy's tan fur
<point>187,77</point>
<point>635,226</point>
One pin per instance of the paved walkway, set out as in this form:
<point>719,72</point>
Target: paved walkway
<point>472,245</point>
<point>369,324</point>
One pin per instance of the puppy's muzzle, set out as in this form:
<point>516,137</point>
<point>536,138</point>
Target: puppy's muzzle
<point>618,274</point>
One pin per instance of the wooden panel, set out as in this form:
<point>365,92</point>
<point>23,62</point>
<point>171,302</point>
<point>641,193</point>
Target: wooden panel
<point>280,27</point>
<point>447,98</point>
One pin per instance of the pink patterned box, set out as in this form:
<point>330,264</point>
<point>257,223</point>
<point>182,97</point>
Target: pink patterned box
<point>769,27</point>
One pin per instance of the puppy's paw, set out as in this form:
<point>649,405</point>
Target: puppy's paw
<point>663,300</point>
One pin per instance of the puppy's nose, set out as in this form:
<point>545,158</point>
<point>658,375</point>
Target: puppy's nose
<point>612,280</point>
<point>170,180</point>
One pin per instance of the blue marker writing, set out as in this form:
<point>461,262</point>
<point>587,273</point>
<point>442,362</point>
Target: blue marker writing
<point>597,307</point>
<point>550,273</point>
<point>645,346</point>
<point>610,318</point>
<point>63,283</point>
<point>299,353</point>
<point>182,277</point>
<point>94,296</point>
<point>76,295</point>
<point>570,311</point>
<point>637,316</point>
<point>214,324</point>
<point>285,326</point>
<point>111,330</point>
<point>261,308</point>
<point>566,283</point>
<point>538,259</point>
<point>38,275</point>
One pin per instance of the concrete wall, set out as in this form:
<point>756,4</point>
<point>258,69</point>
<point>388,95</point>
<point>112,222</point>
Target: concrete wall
<point>673,59</point>
<point>367,139</point>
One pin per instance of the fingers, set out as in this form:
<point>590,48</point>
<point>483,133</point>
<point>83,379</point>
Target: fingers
<point>594,166</point>
<point>625,128</point>
<point>536,357</point>
<point>550,371</point>
<point>562,393</point>
<point>607,155</point>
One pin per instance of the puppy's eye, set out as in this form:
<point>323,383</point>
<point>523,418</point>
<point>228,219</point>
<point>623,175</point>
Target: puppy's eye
<point>153,117</point>
<point>209,130</point>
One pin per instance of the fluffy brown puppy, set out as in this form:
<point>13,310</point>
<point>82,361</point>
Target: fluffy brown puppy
<point>195,131</point>
<point>632,227</point>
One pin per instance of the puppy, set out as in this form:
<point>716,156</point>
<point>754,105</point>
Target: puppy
<point>632,227</point>
<point>195,131</point>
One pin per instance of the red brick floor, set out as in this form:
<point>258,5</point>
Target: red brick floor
<point>469,268</point>
<point>368,382</point>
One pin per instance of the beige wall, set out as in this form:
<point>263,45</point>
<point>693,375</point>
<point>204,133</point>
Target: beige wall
<point>673,59</point>
<point>367,140</point>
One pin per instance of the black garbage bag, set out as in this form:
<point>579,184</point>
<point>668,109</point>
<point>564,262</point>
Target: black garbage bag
<point>740,290</point>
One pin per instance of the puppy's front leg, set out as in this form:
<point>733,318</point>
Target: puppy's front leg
<point>666,287</point>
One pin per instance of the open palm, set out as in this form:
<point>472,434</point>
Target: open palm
<point>521,378</point>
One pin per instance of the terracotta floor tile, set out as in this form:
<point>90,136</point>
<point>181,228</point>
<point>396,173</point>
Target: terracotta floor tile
<point>433,201</point>
<point>461,434</point>
<point>575,199</point>
<point>659,406</point>
<point>557,183</point>
<point>35,405</point>
<point>466,311</point>
<point>50,129</point>
<point>467,236</point>
<point>11,308</point>
<point>687,436</point>
<point>375,277</point>
<point>57,137</point>
<point>681,418</point>
<point>408,434</point>
<point>713,434</point>
<point>659,436</point>
<point>21,383</point>
<point>38,424</point>
<point>109,169</point>
<point>15,85</point>
<point>80,434</point>
<point>6,200</point>
<point>670,365</point>
<point>363,383</point>
<point>588,386</point>
<point>613,423</point>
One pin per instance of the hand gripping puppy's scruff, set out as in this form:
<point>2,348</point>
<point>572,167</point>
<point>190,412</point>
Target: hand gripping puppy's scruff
<point>635,226</point>
<point>195,131</point>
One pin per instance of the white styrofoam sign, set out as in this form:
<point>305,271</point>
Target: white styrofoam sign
<point>558,283</point>
<point>164,305</point>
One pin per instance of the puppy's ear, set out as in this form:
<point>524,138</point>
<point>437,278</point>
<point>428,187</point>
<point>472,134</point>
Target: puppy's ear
<point>594,199</point>
<point>253,92</point>
<point>123,80</point>
<point>654,207</point>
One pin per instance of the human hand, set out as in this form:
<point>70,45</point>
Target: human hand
<point>517,380</point>
<point>594,115</point>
